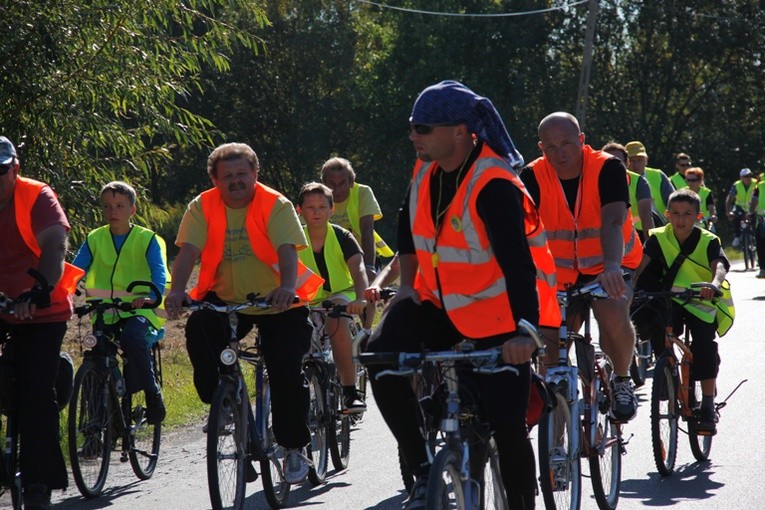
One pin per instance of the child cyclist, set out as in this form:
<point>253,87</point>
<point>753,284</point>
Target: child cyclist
<point>335,254</point>
<point>702,260</point>
<point>113,256</point>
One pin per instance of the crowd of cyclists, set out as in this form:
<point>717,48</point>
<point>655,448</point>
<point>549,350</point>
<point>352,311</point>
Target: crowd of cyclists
<point>484,240</point>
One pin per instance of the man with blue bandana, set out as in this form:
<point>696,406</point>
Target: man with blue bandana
<point>467,231</point>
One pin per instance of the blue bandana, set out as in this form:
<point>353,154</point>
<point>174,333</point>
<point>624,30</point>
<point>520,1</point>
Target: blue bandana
<point>451,102</point>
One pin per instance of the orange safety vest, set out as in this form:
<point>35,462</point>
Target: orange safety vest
<point>25,194</point>
<point>457,269</point>
<point>574,239</point>
<point>259,210</point>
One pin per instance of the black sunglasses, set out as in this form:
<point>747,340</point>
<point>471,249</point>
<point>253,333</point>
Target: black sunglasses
<point>684,164</point>
<point>425,129</point>
<point>4,169</point>
<point>692,180</point>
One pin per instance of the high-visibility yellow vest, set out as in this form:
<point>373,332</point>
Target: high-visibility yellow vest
<point>111,272</point>
<point>695,269</point>
<point>381,247</point>
<point>340,279</point>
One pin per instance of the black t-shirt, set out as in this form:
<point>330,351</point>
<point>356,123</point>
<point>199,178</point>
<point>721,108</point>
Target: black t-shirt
<point>348,244</point>
<point>651,277</point>
<point>612,185</point>
<point>500,208</point>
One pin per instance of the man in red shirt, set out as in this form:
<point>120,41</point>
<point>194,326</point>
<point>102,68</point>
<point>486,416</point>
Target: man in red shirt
<point>35,230</point>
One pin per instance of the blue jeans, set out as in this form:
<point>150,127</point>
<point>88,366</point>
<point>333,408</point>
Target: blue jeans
<point>138,372</point>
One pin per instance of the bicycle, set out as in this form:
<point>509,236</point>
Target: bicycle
<point>457,479</point>
<point>674,395</point>
<point>748,237</point>
<point>101,411</point>
<point>579,425</point>
<point>236,434</point>
<point>643,357</point>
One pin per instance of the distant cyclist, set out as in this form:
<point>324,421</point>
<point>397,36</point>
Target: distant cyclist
<point>738,200</point>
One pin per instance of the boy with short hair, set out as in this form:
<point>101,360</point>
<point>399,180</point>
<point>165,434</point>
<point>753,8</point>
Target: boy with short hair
<point>335,254</point>
<point>704,261</point>
<point>113,256</point>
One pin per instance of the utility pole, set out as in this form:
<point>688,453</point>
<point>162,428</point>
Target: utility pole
<point>584,76</point>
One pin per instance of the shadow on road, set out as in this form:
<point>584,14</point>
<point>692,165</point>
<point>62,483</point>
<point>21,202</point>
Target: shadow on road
<point>689,482</point>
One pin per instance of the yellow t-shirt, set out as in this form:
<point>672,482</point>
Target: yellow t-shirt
<point>241,271</point>
<point>367,206</point>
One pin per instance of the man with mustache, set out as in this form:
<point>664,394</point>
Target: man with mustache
<point>247,236</point>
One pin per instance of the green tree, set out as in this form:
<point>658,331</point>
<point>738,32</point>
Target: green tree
<point>92,91</point>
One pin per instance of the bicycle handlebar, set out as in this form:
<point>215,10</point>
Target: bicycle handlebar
<point>484,361</point>
<point>693,292</point>
<point>253,301</point>
<point>99,305</point>
<point>593,290</point>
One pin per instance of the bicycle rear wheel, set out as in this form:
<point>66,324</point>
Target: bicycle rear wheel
<point>226,452</point>
<point>605,455</point>
<point>701,444</point>
<point>493,495</point>
<point>89,429</point>
<point>641,361</point>
<point>144,438</point>
<point>317,411</point>
<point>664,417</point>
<point>559,461</point>
<point>275,487</point>
<point>445,489</point>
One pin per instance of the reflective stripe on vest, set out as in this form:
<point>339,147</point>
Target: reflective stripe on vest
<point>381,247</point>
<point>340,279</point>
<point>111,272</point>
<point>259,210</point>
<point>25,194</point>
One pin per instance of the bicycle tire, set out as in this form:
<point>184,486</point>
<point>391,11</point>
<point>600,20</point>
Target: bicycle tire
<point>641,360</point>
<point>701,444</point>
<point>664,417</point>
<point>605,456</point>
<point>226,449</point>
<point>275,487</point>
<point>445,490</point>
<point>144,438</point>
<point>89,429</point>
<point>559,460</point>
<point>317,411</point>
<point>493,494</point>
<point>752,248</point>
<point>338,428</point>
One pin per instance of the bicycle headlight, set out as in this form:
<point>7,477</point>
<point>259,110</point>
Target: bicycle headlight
<point>228,357</point>
<point>89,341</point>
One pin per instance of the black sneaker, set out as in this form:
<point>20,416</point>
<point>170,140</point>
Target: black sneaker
<point>624,403</point>
<point>155,408</point>
<point>353,404</point>
<point>37,497</point>
<point>707,424</point>
<point>418,495</point>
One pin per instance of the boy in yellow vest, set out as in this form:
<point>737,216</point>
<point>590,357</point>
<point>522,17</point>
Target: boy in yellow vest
<point>113,256</point>
<point>705,262</point>
<point>335,254</point>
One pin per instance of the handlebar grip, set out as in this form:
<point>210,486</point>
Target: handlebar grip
<point>154,294</point>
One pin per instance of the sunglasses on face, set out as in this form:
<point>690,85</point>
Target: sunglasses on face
<point>4,169</point>
<point>692,180</point>
<point>684,165</point>
<point>425,129</point>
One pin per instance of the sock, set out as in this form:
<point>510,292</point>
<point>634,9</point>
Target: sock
<point>708,401</point>
<point>349,391</point>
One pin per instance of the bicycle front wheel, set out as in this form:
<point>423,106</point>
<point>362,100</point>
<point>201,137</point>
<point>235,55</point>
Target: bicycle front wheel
<point>317,411</point>
<point>89,429</point>
<point>226,440</point>
<point>338,428</point>
<point>559,462</point>
<point>664,416</point>
<point>445,489</point>
<point>144,438</point>
<point>605,453</point>
<point>276,488</point>
<point>701,444</point>
<point>493,495</point>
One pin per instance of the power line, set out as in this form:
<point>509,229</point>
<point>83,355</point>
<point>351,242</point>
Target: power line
<point>467,15</point>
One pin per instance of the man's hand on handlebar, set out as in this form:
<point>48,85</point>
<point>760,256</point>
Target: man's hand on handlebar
<point>174,303</point>
<point>281,298</point>
<point>612,280</point>
<point>518,350</point>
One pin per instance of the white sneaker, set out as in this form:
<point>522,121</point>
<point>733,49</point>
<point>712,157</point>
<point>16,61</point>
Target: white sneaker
<point>737,241</point>
<point>295,466</point>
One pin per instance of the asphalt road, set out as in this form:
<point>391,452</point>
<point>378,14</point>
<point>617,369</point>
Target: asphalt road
<point>730,479</point>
